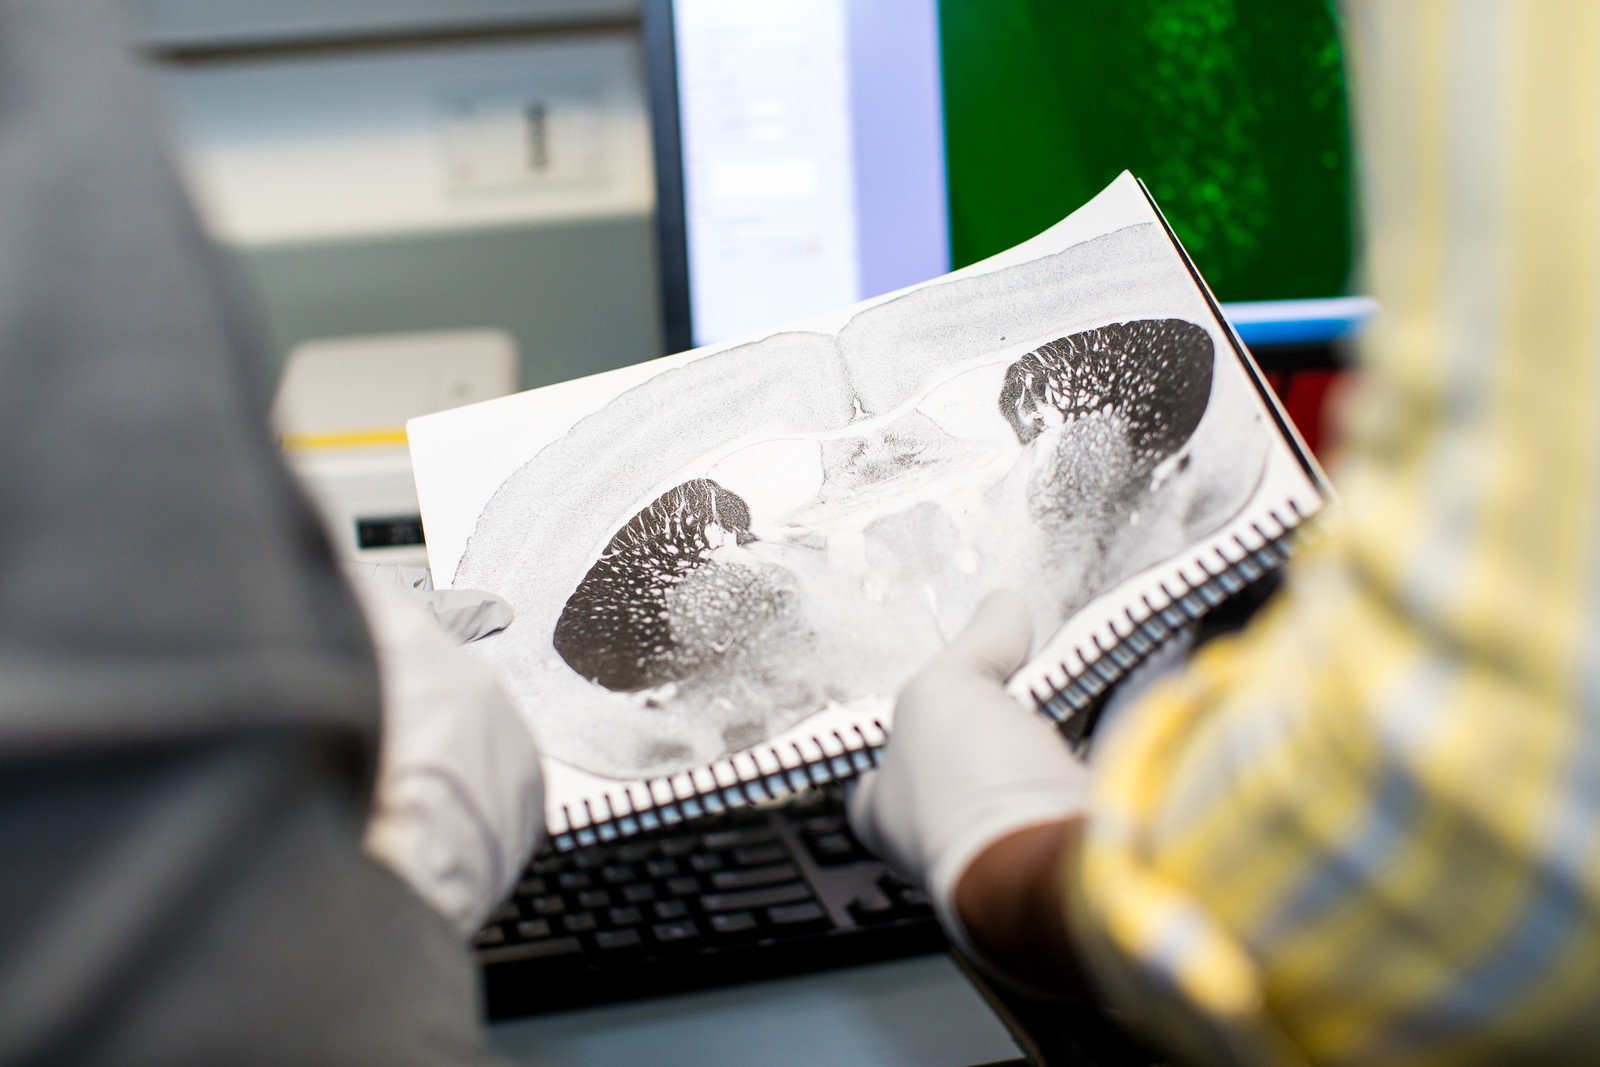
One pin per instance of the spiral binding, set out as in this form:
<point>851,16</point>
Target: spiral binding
<point>1102,667</point>
<point>1156,628</point>
<point>855,757</point>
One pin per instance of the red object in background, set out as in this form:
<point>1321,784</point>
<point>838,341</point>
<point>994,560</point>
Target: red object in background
<point>1305,397</point>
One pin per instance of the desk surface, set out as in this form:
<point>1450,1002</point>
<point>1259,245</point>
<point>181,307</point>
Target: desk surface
<point>909,1013</point>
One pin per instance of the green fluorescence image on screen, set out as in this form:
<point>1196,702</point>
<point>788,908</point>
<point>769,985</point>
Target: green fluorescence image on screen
<point>1233,112</point>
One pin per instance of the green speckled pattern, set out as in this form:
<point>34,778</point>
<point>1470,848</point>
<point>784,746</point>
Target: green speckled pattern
<point>1232,111</point>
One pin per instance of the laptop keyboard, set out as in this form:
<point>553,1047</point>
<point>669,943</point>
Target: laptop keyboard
<point>750,894</point>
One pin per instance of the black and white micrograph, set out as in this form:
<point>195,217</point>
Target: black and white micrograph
<point>772,529</point>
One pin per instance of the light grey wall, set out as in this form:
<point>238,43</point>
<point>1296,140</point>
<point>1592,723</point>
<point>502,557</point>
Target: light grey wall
<point>221,23</point>
<point>579,297</point>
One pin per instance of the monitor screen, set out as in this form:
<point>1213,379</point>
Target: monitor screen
<point>808,156</point>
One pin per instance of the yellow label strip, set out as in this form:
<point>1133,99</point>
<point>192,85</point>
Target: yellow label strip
<point>305,442</point>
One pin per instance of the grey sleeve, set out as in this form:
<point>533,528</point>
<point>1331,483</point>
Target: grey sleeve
<point>207,904</point>
<point>188,701</point>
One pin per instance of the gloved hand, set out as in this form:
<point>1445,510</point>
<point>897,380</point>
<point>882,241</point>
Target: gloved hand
<point>966,765</point>
<point>464,614</point>
<point>459,803</point>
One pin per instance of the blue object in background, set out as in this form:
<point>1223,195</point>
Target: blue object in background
<point>1299,322</point>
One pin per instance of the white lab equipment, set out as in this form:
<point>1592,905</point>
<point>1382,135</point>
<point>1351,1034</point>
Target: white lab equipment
<point>341,412</point>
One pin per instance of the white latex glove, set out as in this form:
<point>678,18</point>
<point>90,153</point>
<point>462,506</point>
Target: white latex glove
<point>464,614</point>
<point>965,765</point>
<point>459,803</point>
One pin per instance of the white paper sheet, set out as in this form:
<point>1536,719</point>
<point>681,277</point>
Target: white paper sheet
<point>744,550</point>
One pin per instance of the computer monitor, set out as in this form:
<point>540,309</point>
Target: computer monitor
<point>801,154</point>
<point>800,157</point>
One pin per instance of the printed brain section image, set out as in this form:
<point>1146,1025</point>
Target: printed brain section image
<point>876,543</point>
<point>800,522</point>
<point>1152,378</point>
<point>654,609</point>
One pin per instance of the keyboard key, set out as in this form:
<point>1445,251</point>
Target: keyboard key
<point>617,874</point>
<point>749,879</point>
<point>757,855</point>
<point>676,846</point>
<point>505,913</point>
<point>832,849</point>
<point>548,864</point>
<point>756,898</point>
<point>624,916</point>
<point>590,859</point>
<point>911,897</point>
<point>635,851</point>
<point>532,887</point>
<point>797,916</point>
<point>489,935</point>
<point>547,906</point>
<point>739,924</point>
<point>706,861</point>
<point>567,950</point>
<point>872,907</point>
<point>532,929</point>
<point>809,803</point>
<point>619,941</point>
<point>683,886</point>
<point>571,881</point>
<point>662,868</point>
<point>670,909</point>
<point>676,934</point>
<point>891,884</point>
<point>752,835</point>
<point>822,824</point>
<point>594,898</point>
<point>581,923</point>
<point>641,893</point>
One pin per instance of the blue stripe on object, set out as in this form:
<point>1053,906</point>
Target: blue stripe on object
<point>1484,990</point>
<point>1352,865</point>
<point>1406,723</point>
<point>1303,332</point>
<point>1299,322</point>
<point>1556,909</point>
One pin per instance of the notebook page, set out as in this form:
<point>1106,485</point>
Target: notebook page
<point>724,562</point>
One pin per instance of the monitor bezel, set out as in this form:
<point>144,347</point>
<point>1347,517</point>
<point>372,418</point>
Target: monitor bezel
<point>672,227</point>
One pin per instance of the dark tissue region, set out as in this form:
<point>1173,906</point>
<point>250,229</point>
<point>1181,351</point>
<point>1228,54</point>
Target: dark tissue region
<point>616,629</point>
<point>1152,374</point>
